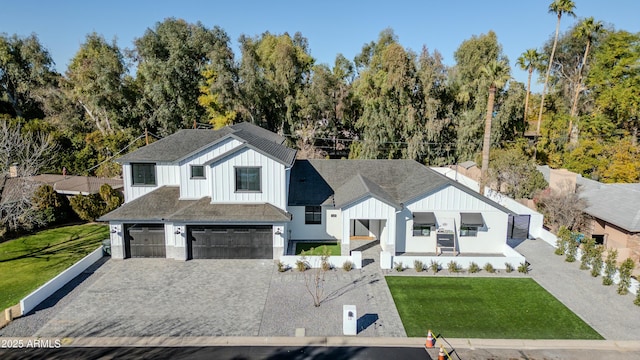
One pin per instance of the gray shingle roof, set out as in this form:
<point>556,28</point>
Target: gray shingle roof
<point>618,204</point>
<point>325,182</point>
<point>186,142</point>
<point>163,204</point>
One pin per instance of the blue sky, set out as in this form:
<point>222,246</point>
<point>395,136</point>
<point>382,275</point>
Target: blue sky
<point>331,26</point>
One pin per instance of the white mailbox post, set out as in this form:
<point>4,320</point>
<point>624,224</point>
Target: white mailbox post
<point>349,320</point>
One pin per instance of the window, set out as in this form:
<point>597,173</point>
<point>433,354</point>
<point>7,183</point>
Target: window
<point>143,174</point>
<point>248,179</point>
<point>421,230</point>
<point>468,230</point>
<point>312,214</point>
<point>197,172</point>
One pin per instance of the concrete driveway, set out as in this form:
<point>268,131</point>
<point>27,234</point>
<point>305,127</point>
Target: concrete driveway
<point>153,297</point>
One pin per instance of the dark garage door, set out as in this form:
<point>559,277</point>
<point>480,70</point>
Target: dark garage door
<point>230,242</point>
<point>146,241</point>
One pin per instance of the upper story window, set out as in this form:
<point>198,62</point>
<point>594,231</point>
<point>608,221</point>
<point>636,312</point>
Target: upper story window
<point>197,172</point>
<point>143,174</point>
<point>312,214</point>
<point>248,179</point>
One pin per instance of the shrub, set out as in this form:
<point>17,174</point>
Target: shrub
<point>588,247</point>
<point>347,265</point>
<point>508,267</point>
<point>418,265</point>
<point>610,267</point>
<point>91,207</point>
<point>302,264</point>
<point>434,266</point>
<point>572,248</point>
<point>398,267</point>
<point>625,276</point>
<point>453,267</point>
<point>523,267</point>
<point>489,268</point>
<point>596,261</point>
<point>474,268</point>
<point>325,265</point>
<point>281,266</point>
<point>637,299</point>
<point>564,235</point>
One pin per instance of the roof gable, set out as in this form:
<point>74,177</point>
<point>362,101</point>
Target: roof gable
<point>187,142</point>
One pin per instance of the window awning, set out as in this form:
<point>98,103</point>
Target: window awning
<point>424,218</point>
<point>471,219</point>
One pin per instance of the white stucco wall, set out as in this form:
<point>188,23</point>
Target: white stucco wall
<point>326,230</point>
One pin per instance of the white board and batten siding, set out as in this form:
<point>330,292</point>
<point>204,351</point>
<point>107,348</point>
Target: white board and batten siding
<point>272,176</point>
<point>370,208</point>
<point>199,188</point>
<point>449,203</point>
<point>166,174</point>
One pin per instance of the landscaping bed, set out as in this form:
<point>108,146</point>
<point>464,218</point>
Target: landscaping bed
<point>490,308</point>
<point>28,262</point>
<point>316,248</point>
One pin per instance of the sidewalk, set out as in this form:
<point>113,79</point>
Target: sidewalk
<point>614,316</point>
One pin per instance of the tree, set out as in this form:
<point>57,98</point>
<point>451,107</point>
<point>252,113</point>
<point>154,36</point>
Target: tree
<point>171,60</point>
<point>529,60</point>
<point>614,80</point>
<point>496,75</point>
<point>471,91</point>
<point>273,71</point>
<point>26,71</point>
<point>95,79</point>
<point>559,7</point>
<point>52,206</point>
<point>514,174</point>
<point>91,207</point>
<point>588,29</point>
<point>28,152</point>
<point>561,208</point>
<point>626,268</point>
<point>390,94</point>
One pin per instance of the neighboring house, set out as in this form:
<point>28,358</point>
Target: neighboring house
<point>613,209</point>
<point>238,192</point>
<point>15,188</point>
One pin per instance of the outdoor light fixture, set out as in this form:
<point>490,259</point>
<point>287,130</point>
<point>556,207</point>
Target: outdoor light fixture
<point>114,229</point>
<point>178,231</point>
<point>278,231</point>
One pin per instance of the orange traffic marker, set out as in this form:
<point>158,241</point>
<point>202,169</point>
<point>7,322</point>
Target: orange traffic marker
<point>429,342</point>
<point>441,353</point>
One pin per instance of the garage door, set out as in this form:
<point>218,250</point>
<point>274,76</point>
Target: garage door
<point>230,242</point>
<point>146,241</point>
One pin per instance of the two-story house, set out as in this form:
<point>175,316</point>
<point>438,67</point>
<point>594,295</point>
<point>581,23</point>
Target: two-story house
<point>238,192</point>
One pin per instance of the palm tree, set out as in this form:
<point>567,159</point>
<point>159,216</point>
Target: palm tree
<point>558,7</point>
<point>495,74</point>
<point>588,29</point>
<point>529,60</point>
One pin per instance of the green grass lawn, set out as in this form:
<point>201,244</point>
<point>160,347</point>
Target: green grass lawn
<point>28,262</point>
<point>313,249</point>
<point>489,308</point>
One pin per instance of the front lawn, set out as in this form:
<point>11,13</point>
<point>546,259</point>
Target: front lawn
<point>316,249</point>
<point>488,308</point>
<point>28,262</point>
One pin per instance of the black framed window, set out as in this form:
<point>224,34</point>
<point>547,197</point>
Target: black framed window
<point>313,214</point>
<point>197,172</point>
<point>143,174</point>
<point>248,179</point>
<point>468,230</point>
<point>421,230</point>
